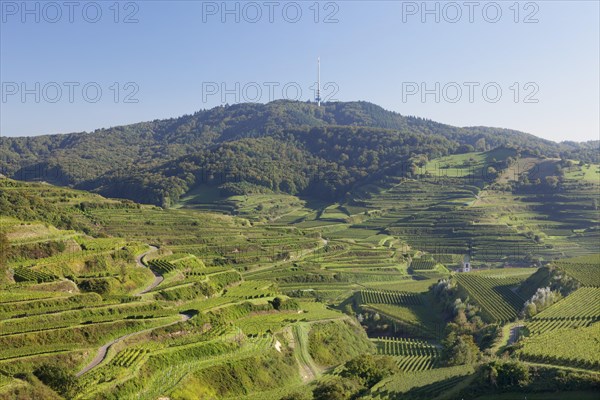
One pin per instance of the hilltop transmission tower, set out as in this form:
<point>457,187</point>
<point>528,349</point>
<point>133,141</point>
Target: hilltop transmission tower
<point>318,98</point>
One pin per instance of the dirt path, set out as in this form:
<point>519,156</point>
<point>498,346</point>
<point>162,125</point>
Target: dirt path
<point>515,334</point>
<point>157,278</point>
<point>308,370</point>
<point>104,349</point>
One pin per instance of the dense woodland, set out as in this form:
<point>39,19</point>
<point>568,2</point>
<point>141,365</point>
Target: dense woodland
<point>283,146</point>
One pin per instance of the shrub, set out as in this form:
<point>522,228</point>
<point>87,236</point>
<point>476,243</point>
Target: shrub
<point>58,379</point>
<point>100,286</point>
<point>369,370</point>
<point>295,396</point>
<point>506,375</point>
<point>460,350</point>
<point>335,389</point>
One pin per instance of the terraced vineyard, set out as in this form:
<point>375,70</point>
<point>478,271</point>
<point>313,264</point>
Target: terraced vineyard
<point>293,291</point>
<point>161,266</point>
<point>389,297</point>
<point>438,215</point>
<point>412,355</point>
<point>539,326</point>
<point>574,347</point>
<point>22,274</point>
<point>495,295</point>
<point>584,269</point>
<point>420,385</point>
<point>419,264</point>
<point>30,321</point>
<point>129,357</point>
<point>582,304</point>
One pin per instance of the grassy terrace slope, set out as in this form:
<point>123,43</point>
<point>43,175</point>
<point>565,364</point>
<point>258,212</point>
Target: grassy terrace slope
<point>437,213</point>
<point>91,298</point>
<point>252,288</point>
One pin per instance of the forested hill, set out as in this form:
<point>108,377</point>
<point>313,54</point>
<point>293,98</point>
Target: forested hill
<point>284,146</point>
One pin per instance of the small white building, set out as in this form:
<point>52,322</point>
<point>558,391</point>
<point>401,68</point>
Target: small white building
<point>466,264</point>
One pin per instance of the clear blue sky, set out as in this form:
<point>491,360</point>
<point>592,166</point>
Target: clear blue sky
<point>177,48</point>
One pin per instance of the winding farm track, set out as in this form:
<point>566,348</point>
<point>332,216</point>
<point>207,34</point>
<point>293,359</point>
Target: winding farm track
<point>308,369</point>
<point>104,349</point>
<point>157,278</point>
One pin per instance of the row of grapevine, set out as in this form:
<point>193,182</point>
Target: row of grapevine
<point>575,347</point>
<point>425,385</point>
<point>23,274</point>
<point>540,326</point>
<point>431,391</point>
<point>189,274</point>
<point>585,269</point>
<point>389,297</point>
<point>494,295</point>
<point>584,303</point>
<point>161,266</point>
<point>405,347</point>
<point>415,363</point>
<point>128,357</point>
<point>418,264</point>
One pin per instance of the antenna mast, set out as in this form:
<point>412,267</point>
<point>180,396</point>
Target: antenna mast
<point>318,99</point>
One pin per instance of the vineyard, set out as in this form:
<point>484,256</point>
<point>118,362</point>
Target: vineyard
<point>420,385</point>
<point>128,357</point>
<point>405,347</point>
<point>539,326</point>
<point>419,264</point>
<point>23,274</point>
<point>161,266</point>
<point>275,299</point>
<point>574,347</point>
<point>566,332</point>
<point>75,316</point>
<point>412,355</point>
<point>410,321</point>
<point>389,297</point>
<point>430,391</point>
<point>494,295</point>
<point>585,269</point>
<point>582,304</point>
<point>44,306</point>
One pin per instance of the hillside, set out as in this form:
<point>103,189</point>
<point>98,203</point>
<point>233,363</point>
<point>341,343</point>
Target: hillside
<point>283,285</point>
<point>322,257</point>
<point>292,144</point>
